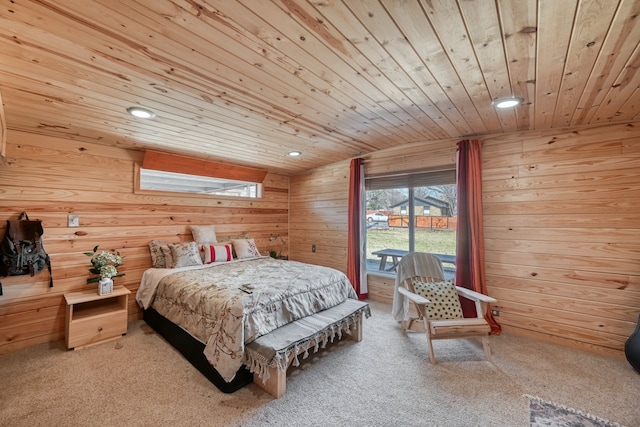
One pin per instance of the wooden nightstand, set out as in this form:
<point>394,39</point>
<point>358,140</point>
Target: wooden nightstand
<point>93,318</point>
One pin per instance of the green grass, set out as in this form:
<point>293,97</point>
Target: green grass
<point>441,241</point>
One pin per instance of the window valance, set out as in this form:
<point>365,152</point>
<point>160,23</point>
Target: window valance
<point>440,176</point>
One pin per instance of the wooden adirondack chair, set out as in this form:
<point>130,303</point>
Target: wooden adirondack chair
<point>440,319</point>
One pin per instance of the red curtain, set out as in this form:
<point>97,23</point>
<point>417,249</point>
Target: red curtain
<point>354,251</point>
<point>470,234</point>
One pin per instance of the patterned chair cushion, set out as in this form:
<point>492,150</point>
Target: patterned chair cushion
<point>445,303</point>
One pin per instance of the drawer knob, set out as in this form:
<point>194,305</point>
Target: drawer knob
<point>100,329</point>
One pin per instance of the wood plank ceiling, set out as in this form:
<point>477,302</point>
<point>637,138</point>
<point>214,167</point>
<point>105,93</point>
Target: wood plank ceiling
<point>248,81</point>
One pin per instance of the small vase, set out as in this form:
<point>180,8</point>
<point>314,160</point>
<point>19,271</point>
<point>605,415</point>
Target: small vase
<point>105,286</point>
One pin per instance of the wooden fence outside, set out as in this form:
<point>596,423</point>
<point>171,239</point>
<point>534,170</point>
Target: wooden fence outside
<point>430,222</point>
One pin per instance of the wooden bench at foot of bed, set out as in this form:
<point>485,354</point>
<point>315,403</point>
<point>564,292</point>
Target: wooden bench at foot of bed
<point>271,355</point>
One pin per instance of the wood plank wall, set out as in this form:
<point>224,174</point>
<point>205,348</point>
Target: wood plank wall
<point>562,221</point>
<point>51,178</point>
<point>320,200</point>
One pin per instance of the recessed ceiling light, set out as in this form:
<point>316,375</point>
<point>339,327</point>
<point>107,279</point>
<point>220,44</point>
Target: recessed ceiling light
<point>141,113</point>
<point>294,153</point>
<point>507,102</point>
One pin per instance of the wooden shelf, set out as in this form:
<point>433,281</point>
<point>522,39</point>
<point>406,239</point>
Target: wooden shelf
<point>96,309</point>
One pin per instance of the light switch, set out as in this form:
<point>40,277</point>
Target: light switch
<point>74,220</point>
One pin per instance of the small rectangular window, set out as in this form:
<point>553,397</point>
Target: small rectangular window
<point>184,183</point>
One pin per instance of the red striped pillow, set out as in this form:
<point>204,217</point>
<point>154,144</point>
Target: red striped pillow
<point>217,253</point>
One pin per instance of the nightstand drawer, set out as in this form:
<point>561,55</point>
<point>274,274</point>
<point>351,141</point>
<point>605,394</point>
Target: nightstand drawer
<point>92,330</point>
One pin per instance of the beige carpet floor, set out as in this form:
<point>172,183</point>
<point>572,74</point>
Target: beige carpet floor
<point>385,380</point>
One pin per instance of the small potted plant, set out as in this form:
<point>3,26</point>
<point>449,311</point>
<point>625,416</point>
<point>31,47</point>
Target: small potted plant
<point>104,264</point>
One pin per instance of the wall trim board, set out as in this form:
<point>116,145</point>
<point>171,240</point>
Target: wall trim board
<point>156,160</point>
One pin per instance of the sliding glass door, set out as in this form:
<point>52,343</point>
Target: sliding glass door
<point>410,213</point>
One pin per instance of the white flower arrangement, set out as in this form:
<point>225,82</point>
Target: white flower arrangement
<point>104,264</point>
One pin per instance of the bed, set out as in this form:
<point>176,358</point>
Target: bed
<point>228,319</point>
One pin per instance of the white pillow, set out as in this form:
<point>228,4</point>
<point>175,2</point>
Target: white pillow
<point>185,254</point>
<point>204,234</point>
<point>245,248</point>
<point>217,253</point>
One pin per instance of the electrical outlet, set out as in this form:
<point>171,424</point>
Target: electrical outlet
<point>313,248</point>
<point>495,312</point>
<point>73,220</point>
